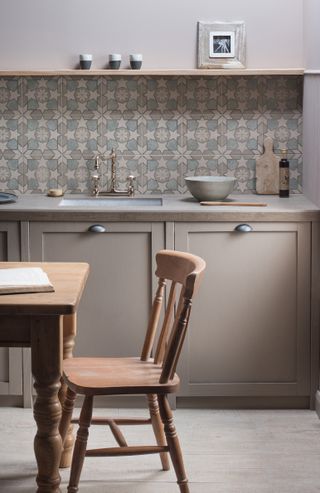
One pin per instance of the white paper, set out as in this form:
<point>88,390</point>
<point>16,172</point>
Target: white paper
<point>24,276</point>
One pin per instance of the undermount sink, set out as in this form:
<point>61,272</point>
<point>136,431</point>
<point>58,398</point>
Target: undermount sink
<point>95,202</point>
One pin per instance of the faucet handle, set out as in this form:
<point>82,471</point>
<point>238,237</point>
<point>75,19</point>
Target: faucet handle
<point>131,179</point>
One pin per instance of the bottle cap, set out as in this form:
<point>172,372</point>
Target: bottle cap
<point>284,152</point>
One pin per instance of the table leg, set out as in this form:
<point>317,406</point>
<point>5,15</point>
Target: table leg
<point>69,332</point>
<point>46,354</point>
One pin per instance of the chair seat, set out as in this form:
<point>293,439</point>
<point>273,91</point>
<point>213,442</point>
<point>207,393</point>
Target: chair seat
<point>109,376</point>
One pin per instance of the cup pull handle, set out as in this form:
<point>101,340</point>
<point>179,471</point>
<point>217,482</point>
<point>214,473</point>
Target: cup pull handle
<point>243,228</point>
<point>97,228</point>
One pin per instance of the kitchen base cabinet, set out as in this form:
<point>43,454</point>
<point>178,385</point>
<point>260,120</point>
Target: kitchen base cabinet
<point>10,358</point>
<point>115,306</point>
<point>250,328</point>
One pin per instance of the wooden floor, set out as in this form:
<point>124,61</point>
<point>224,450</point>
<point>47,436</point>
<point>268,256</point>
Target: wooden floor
<point>225,452</point>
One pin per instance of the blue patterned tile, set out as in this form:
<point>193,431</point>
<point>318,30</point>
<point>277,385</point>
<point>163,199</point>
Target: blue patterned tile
<point>244,134</point>
<point>161,127</point>
<point>202,134</point>
<point>242,94</point>
<point>242,168</point>
<point>282,93</point>
<point>42,94</point>
<point>123,134</point>
<point>163,134</point>
<point>12,172</point>
<point>42,134</point>
<point>10,97</point>
<point>8,134</point>
<point>164,174</point>
<point>122,95</point>
<point>164,94</point>
<point>202,94</point>
<point>81,97</point>
<point>42,174</point>
<point>202,165</point>
<point>285,129</point>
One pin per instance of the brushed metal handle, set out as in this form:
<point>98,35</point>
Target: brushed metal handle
<point>97,228</point>
<point>243,228</point>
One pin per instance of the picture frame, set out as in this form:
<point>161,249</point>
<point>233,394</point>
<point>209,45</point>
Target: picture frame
<point>221,45</point>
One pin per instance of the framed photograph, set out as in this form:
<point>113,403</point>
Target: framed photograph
<point>221,45</point>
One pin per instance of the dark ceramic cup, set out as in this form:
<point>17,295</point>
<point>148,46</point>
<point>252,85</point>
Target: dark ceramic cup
<point>114,64</point>
<point>135,64</point>
<point>136,61</point>
<point>85,62</point>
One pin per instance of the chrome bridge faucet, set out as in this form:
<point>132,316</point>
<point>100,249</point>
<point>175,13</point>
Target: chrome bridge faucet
<point>112,191</point>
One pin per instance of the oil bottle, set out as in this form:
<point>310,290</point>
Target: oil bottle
<point>283,174</point>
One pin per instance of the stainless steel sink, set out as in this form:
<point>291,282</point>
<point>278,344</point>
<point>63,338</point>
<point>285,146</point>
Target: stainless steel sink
<point>96,202</point>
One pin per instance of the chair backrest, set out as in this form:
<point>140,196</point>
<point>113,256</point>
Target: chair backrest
<point>184,270</point>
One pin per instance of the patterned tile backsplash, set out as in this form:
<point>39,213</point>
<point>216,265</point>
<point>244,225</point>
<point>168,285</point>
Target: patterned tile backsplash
<point>162,128</point>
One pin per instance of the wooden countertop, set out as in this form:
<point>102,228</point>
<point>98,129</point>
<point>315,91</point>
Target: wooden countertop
<point>174,208</point>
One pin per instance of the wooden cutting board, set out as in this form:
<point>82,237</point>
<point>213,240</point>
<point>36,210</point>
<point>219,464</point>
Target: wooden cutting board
<point>267,170</point>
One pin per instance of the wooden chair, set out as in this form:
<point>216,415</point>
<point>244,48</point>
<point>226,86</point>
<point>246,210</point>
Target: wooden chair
<point>154,377</point>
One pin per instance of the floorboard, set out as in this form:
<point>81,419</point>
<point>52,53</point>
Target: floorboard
<point>225,452</point>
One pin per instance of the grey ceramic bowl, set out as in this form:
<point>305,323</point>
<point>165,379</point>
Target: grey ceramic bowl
<point>210,187</point>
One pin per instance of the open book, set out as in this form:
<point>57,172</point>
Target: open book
<point>24,280</point>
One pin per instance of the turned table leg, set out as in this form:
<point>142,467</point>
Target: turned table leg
<point>69,333</point>
<point>46,351</point>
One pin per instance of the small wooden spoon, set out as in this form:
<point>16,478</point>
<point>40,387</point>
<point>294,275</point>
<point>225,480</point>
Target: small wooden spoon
<point>236,204</point>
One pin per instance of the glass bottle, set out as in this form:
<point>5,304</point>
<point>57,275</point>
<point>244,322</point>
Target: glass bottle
<point>283,174</point>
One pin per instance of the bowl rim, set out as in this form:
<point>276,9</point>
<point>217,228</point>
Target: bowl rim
<point>210,178</point>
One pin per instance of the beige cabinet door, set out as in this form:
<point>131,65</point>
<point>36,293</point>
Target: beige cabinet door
<point>10,358</point>
<point>115,306</point>
<point>250,327</point>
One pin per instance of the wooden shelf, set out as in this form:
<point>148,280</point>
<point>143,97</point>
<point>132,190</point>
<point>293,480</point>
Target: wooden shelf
<point>151,72</point>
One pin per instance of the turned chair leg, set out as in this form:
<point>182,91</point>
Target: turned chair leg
<point>65,427</point>
<point>158,428</point>
<point>173,443</point>
<point>80,446</point>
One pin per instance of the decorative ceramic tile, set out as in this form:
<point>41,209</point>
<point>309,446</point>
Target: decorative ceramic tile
<point>10,96</point>
<point>163,134</point>
<point>201,165</point>
<point>123,134</point>
<point>122,95</point>
<point>282,93</point>
<point>42,94</point>
<point>243,135</point>
<point>80,135</point>
<point>285,129</point>
<point>161,127</point>
<point>295,170</point>
<point>241,94</point>
<point>42,134</point>
<point>243,169</point>
<point>164,174</point>
<point>202,94</point>
<point>11,172</point>
<point>8,134</point>
<point>81,98</point>
<point>75,176</point>
<point>42,174</point>
<point>202,134</point>
<point>164,94</point>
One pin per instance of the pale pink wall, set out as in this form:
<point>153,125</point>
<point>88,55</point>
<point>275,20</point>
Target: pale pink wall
<point>312,34</point>
<point>311,102</point>
<point>50,33</point>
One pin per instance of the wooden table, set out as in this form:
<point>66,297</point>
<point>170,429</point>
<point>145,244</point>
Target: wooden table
<point>46,322</point>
